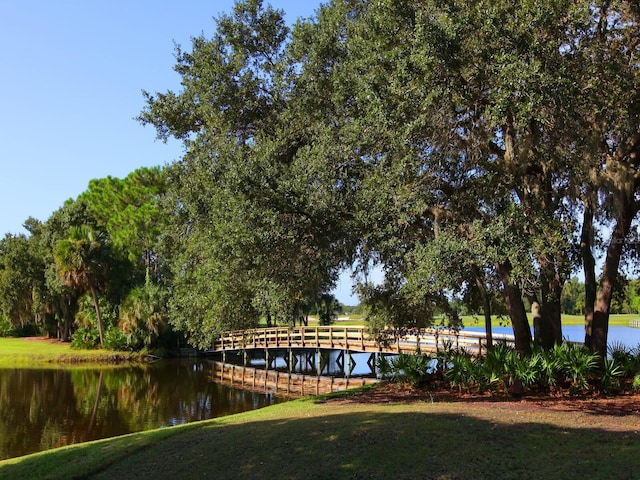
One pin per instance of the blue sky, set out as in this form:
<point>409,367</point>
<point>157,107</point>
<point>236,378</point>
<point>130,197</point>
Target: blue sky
<point>70,87</point>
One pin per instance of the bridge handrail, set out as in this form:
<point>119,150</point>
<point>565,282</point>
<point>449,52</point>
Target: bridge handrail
<point>354,338</point>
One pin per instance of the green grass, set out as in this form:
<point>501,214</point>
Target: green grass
<point>614,320</point>
<point>478,320</point>
<point>307,439</point>
<point>26,352</point>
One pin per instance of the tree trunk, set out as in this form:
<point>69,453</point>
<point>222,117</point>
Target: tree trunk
<point>486,306</point>
<point>536,318</point>
<point>65,334</point>
<point>548,327</point>
<point>517,312</point>
<point>94,295</point>
<point>589,266</point>
<point>600,324</point>
<point>552,323</point>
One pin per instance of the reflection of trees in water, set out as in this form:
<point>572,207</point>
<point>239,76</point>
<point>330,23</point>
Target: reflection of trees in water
<point>42,409</point>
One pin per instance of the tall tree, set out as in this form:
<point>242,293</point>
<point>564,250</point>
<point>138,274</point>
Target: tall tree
<point>428,101</point>
<point>129,209</point>
<point>80,261</point>
<point>609,45</point>
<point>21,274</point>
<point>251,216</point>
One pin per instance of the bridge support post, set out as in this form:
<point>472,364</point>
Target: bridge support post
<point>319,357</point>
<point>372,362</point>
<point>351,363</point>
<point>340,361</point>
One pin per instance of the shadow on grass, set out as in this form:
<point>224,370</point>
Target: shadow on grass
<point>362,444</point>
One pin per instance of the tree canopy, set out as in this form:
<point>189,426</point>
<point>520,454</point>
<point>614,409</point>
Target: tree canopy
<point>466,148</point>
<point>405,126</point>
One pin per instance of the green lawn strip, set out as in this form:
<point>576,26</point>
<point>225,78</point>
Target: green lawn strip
<point>79,461</point>
<point>305,439</point>
<point>621,320</point>
<point>21,352</point>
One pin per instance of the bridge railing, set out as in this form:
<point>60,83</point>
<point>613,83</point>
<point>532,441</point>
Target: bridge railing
<point>355,338</point>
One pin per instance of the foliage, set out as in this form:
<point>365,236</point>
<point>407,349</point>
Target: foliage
<point>129,209</point>
<point>142,317</point>
<point>413,369</point>
<point>611,374</point>
<point>251,190</point>
<point>115,340</point>
<point>392,310</point>
<point>6,328</point>
<point>478,150</point>
<point>565,366</point>
<point>85,338</point>
<point>327,307</point>
<point>80,261</point>
<point>21,273</point>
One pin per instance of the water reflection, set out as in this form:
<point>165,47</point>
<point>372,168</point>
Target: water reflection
<point>43,409</point>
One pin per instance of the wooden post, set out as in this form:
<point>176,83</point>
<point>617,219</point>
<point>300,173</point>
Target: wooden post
<point>340,361</point>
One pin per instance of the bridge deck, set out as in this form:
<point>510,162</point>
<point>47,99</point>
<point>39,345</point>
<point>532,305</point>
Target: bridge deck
<point>353,338</point>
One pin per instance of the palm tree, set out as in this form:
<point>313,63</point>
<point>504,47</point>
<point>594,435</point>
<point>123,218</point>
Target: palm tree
<point>328,308</point>
<point>80,264</point>
<point>142,314</point>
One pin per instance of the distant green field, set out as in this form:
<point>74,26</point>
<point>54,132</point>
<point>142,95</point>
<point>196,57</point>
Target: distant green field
<point>614,320</point>
<point>42,352</point>
<point>478,321</point>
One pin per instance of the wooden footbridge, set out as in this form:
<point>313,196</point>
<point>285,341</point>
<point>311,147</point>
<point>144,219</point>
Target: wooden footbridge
<point>313,360</point>
<point>354,339</point>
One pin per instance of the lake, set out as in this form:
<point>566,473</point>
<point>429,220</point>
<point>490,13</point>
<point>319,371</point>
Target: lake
<point>628,336</point>
<point>48,408</point>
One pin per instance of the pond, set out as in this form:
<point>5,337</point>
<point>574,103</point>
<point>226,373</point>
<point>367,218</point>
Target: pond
<point>48,408</point>
<point>627,336</point>
<point>42,409</point>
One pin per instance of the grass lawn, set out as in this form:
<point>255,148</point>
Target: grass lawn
<point>23,352</point>
<point>478,320</point>
<point>614,320</point>
<point>341,439</point>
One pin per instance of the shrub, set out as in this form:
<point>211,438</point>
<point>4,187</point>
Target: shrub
<point>114,339</point>
<point>413,369</point>
<point>85,338</point>
<point>6,329</point>
<point>612,372</point>
<point>462,371</point>
<point>576,364</point>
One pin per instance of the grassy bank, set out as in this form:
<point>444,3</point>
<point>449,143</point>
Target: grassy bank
<point>310,439</point>
<point>21,352</point>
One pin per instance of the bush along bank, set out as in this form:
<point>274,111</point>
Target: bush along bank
<point>566,369</point>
